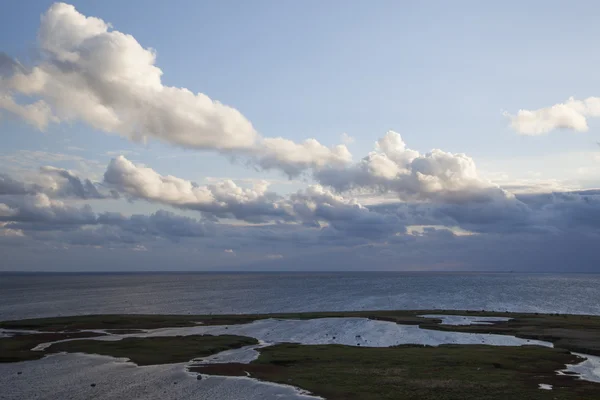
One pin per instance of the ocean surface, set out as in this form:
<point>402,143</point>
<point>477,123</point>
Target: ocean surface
<point>44,295</point>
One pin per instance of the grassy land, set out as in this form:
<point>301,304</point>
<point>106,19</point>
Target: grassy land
<point>156,350</point>
<point>416,372</point>
<point>18,348</point>
<point>580,333</point>
<point>345,372</point>
<point>152,321</point>
<point>115,322</point>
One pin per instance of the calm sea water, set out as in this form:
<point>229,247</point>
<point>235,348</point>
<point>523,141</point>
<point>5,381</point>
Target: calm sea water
<point>42,295</point>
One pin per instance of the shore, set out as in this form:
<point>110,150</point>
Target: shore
<point>341,355</point>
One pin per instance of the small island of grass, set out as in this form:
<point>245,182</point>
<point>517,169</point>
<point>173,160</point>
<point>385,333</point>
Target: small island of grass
<point>467,372</point>
<point>156,350</point>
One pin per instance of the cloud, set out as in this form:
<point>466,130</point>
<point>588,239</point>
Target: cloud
<point>346,139</point>
<point>38,114</point>
<point>10,186</point>
<point>88,72</point>
<point>6,211</point>
<point>570,211</point>
<point>108,80</point>
<point>40,213</point>
<point>346,216</point>
<point>313,217</point>
<point>8,66</point>
<point>316,214</point>
<point>292,158</point>
<point>392,167</point>
<point>310,206</point>
<point>224,199</point>
<point>67,184</point>
<point>44,204</point>
<point>572,114</point>
<point>115,153</point>
<point>9,232</point>
<point>56,183</point>
<point>21,164</point>
<point>531,232</point>
<point>159,223</point>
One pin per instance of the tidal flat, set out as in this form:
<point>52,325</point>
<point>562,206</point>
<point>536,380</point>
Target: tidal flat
<point>419,354</point>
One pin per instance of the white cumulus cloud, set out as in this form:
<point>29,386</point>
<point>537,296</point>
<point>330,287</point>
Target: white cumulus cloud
<point>392,167</point>
<point>314,206</point>
<point>107,79</point>
<point>572,114</point>
<point>225,199</point>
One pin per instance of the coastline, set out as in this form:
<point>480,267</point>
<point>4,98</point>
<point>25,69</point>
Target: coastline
<point>540,351</point>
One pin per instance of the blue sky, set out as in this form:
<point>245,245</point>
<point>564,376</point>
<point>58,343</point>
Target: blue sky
<point>441,74</point>
<point>438,73</point>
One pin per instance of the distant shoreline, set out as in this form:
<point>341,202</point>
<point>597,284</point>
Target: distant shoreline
<point>316,272</point>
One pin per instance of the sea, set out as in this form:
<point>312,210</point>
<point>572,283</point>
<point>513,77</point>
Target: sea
<point>33,295</point>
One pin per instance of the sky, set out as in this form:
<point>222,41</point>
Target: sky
<point>279,135</point>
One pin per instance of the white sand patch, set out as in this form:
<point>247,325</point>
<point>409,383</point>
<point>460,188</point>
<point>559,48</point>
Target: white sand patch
<point>466,320</point>
<point>243,355</point>
<point>588,369</point>
<point>347,331</point>
<point>70,376</point>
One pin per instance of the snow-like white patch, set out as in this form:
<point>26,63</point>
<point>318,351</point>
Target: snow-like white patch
<point>347,331</point>
<point>4,333</point>
<point>43,346</point>
<point>243,355</point>
<point>277,390</point>
<point>588,369</point>
<point>545,386</point>
<point>466,320</point>
<point>70,376</point>
<point>13,332</point>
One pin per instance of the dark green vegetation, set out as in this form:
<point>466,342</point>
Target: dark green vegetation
<point>18,347</point>
<point>579,333</point>
<point>152,321</point>
<point>156,350</point>
<point>416,372</point>
<point>346,372</point>
<point>130,322</point>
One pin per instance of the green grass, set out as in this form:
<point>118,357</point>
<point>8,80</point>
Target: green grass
<point>154,321</point>
<point>579,333</point>
<point>18,348</point>
<point>156,350</point>
<point>112,322</point>
<point>338,372</point>
<point>468,372</point>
